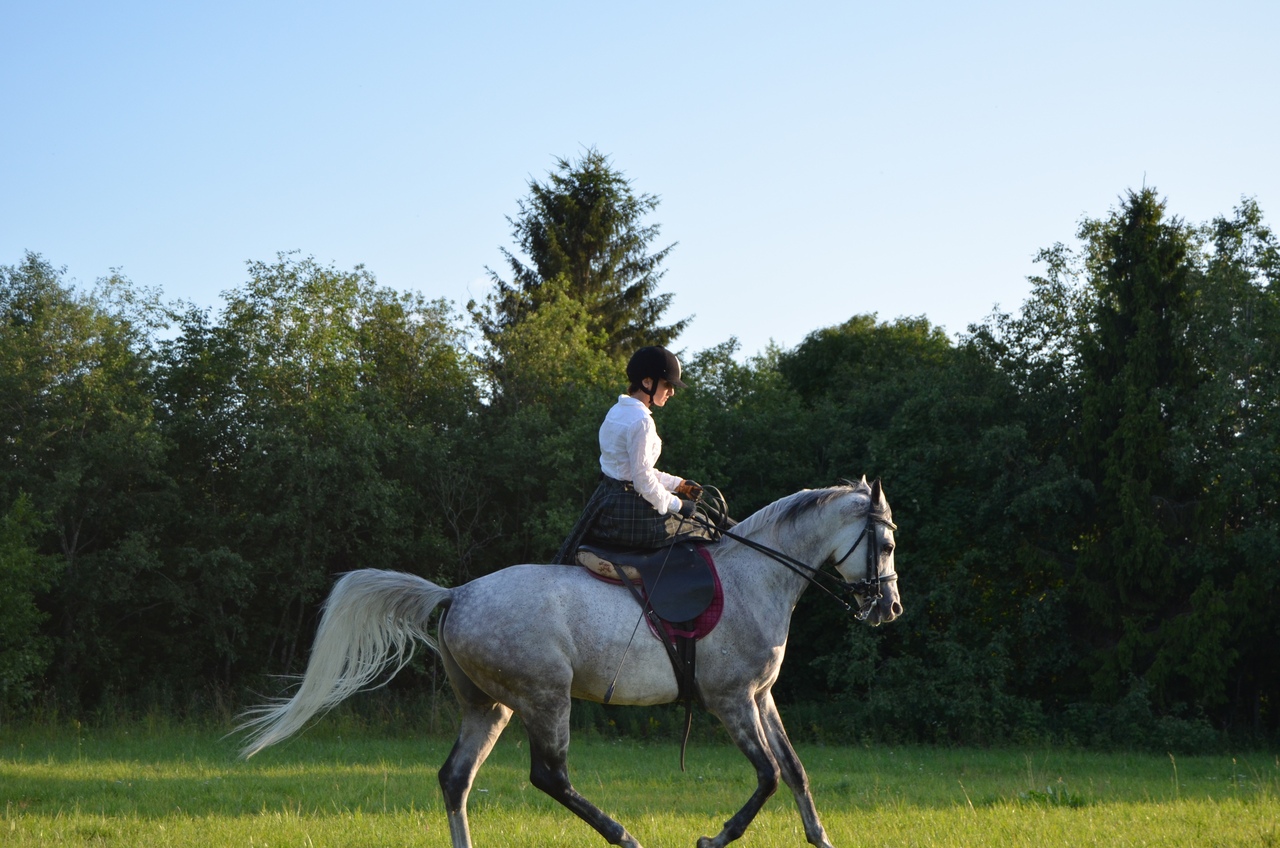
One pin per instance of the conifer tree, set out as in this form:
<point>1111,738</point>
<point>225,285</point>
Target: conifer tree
<point>1138,374</point>
<point>585,225</point>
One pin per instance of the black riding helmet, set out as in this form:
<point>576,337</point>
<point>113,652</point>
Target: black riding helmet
<point>657,363</point>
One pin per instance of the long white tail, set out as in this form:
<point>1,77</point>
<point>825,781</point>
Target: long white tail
<point>369,623</point>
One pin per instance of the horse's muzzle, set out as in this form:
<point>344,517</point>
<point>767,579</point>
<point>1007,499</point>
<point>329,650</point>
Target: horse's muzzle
<point>885,608</point>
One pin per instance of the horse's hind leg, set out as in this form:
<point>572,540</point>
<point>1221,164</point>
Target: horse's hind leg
<point>482,722</point>
<point>481,726</point>
<point>548,727</point>
<point>742,720</point>
<point>792,770</point>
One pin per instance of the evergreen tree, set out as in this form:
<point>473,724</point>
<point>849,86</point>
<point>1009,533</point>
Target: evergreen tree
<point>1137,377</point>
<point>586,225</point>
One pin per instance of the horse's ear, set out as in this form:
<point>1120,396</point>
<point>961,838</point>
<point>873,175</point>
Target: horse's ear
<point>864,480</point>
<point>877,493</point>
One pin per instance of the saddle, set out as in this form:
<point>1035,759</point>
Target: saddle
<point>677,581</point>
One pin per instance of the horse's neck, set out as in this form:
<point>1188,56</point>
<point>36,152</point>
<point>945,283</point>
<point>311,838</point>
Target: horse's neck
<point>771,583</point>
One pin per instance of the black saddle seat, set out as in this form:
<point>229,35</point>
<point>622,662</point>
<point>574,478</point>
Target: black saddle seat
<point>677,580</point>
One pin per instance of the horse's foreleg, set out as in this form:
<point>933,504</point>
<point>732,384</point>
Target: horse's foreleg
<point>482,724</point>
<point>548,728</point>
<point>792,770</point>
<point>742,720</point>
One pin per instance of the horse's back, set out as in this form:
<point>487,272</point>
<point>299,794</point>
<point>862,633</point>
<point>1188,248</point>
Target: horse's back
<point>529,588</point>
<point>550,600</point>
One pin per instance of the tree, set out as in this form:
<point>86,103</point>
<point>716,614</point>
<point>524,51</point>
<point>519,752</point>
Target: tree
<point>1148,360</point>
<point>978,646</point>
<point>534,448</point>
<point>585,225</point>
<point>739,426</point>
<point>579,302</point>
<point>864,365</point>
<point>76,414</point>
<point>24,650</point>
<point>1233,442</point>
<point>311,418</point>
<point>1038,349</point>
<point>1138,377</point>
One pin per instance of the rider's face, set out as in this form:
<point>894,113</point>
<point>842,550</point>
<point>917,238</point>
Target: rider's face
<point>660,395</point>
<point>664,393</point>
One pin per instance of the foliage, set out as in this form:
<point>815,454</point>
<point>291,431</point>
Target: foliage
<point>736,427</point>
<point>24,651</point>
<point>1154,358</point>
<point>82,442</point>
<point>976,652</point>
<point>320,415</point>
<point>1232,440</point>
<point>1087,491</point>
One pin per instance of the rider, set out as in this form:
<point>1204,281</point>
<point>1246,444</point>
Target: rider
<point>636,506</point>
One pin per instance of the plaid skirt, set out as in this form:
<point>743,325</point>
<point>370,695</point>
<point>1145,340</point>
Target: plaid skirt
<point>618,517</point>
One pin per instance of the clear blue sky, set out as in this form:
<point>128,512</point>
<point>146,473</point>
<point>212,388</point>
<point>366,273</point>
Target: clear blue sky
<point>814,160</point>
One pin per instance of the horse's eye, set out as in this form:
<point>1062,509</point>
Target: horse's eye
<point>888,547</point>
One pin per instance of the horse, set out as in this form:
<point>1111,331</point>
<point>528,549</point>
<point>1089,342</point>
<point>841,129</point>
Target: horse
<point>529,638</point>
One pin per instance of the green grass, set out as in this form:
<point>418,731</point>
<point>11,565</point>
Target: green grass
<point>339,785</point>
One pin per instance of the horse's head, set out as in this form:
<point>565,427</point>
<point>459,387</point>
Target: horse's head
<point>867,568</point>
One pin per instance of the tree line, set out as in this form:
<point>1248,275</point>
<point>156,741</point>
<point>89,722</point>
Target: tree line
<point>1087,490</point>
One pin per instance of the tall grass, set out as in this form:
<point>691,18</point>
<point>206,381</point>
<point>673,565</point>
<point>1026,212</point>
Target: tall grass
<point>343,784</point>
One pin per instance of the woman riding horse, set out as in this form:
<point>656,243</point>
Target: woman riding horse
<point>636,506</point>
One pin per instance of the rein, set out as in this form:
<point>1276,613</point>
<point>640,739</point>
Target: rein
<point>866,591</point>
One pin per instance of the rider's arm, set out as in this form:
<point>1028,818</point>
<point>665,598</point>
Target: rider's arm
<point>643,449</point>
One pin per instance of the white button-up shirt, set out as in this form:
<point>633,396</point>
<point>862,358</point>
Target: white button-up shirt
<point>629,449</point>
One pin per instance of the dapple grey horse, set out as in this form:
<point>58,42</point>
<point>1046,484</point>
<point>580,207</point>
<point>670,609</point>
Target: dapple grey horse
<point>529,638</point>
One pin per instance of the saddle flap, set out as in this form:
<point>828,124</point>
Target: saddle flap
<point>677,580</point>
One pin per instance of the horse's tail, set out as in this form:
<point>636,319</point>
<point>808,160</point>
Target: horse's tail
<point>368,624</point>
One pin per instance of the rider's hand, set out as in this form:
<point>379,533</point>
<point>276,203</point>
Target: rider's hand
<point>687,507</point>
<point>689,489</point>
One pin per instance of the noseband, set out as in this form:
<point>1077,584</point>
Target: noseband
<point>867,592</point>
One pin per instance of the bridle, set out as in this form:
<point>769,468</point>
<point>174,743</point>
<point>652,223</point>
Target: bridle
<point>865,592</point>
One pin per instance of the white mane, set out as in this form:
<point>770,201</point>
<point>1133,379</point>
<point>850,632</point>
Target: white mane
<point>790,508</point>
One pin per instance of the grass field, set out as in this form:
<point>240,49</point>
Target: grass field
<point>157,785</point>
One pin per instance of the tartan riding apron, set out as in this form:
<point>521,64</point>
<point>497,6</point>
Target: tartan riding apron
<point>618,517</point>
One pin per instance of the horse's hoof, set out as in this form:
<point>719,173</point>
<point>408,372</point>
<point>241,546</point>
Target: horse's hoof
<point>706,842</point>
